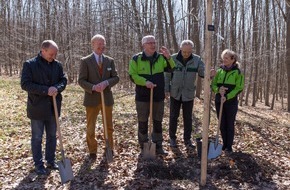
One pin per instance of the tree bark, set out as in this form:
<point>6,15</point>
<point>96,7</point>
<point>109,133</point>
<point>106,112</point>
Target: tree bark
<point>172,26</point>
<point>287,62</point>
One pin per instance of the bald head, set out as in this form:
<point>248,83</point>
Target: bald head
<point>49,50</point>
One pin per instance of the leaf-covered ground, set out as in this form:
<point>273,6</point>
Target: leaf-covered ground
<point>260,160</point>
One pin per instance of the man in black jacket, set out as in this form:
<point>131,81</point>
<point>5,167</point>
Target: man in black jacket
<point>43,77</point>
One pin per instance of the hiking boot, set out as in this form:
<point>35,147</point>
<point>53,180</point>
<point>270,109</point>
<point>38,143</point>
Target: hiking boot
<point>224,147</point>
<point>188,144</point>
<point>40,170</point>
<point>228,152</point>
<point>161,151</point>
<point>173,143</point>
<point>52,166</point>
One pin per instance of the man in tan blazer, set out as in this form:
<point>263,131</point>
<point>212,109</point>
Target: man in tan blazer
<point>97,73</point>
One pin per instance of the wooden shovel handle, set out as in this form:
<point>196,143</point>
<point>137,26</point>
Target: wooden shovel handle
<point>220,116</point>
<point>104,114</point>
<point>58,126</point>
<point>150,113</point>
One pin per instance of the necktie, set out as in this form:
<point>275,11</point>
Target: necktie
<point>100,61</point>
<point>100,65</point>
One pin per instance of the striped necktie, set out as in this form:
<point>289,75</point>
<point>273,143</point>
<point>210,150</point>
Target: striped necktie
<point>100,61</point>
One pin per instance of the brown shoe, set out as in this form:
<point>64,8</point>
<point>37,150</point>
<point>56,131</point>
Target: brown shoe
<point>93,156</point>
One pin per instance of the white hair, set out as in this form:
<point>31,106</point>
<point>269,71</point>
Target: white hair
<point>186,42</point>
<point>145,39</point>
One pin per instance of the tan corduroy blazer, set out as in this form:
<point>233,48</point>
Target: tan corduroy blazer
<point>89,75</point>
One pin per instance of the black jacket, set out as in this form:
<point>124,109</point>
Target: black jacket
<point>37,76</point>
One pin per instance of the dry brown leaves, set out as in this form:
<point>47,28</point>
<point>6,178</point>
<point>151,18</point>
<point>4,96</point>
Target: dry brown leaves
<point>260,161</point>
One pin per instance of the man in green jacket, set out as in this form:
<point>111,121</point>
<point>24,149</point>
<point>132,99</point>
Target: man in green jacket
<point>181,86</point>
<point>146,70</point>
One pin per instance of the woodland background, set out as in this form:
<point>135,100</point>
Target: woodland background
<point>259,31</point>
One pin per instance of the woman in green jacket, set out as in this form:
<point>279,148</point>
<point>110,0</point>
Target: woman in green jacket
<point>227,84</point>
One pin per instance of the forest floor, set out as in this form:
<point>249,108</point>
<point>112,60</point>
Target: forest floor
<point>260,160</point>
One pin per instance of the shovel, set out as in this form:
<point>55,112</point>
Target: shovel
<point>65,169</point>
<point>149,149</point>
<point>215,149</point>
<point>109,152</point>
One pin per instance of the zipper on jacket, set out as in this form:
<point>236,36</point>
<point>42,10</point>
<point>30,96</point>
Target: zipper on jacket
<point>151,67</point>
<point>225,78</point>
<point>184,75</point>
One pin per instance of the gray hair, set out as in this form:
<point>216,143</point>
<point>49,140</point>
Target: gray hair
<point>186,42</point>
<point>145,39</point>
<point>98,37</point>
<point>48,43</point>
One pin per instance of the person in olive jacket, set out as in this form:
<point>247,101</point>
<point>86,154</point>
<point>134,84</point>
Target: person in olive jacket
<point>180,84</point>
<point>43,77</point>
<point>146,70</point>
<point>227,84</point>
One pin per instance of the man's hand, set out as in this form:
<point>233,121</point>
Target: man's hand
<point>101,86</point>
<point>165,52</point>
<point>222,90</point>
<point>150,84</point>
<point>52,91</point>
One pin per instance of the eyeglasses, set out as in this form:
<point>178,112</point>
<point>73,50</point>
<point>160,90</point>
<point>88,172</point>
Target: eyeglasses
<point>151,43</point>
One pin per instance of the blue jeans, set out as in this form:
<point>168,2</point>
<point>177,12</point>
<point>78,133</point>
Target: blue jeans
<point>37,128</point>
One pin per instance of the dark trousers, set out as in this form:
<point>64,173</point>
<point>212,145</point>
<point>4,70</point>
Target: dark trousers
<point>143,109</point>
<point>187,118</point>
<point>227,123</point>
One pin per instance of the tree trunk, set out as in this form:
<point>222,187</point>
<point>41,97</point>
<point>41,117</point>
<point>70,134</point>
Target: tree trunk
<point>268,60</point>
<point>172,26</point>
<point>287,62</point>
<point>205,121</point>
<point>160,29</point>
<point>196,40</point>
<point>255,50</point>
<point>137,21</point>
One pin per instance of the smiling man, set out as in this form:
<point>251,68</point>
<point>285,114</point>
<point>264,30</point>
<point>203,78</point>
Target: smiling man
<point>97,74</point>
<point>146,70</point>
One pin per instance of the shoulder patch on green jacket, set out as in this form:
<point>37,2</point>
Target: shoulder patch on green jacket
<point>239,71</point>
<point>135,57</point>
